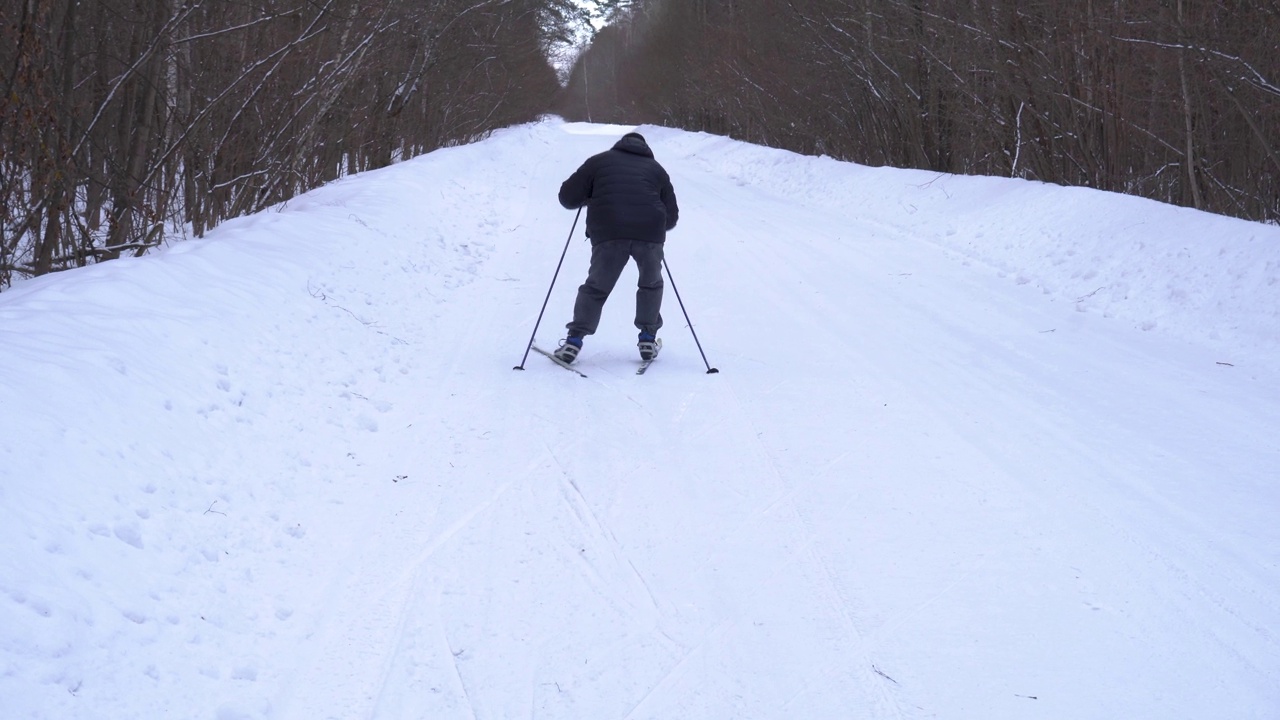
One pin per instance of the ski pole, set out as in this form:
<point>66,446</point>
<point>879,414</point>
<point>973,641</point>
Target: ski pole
<point>687,320</point>
<point>548,298</point>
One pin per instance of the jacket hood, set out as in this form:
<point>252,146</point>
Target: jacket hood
<point>633,143</point>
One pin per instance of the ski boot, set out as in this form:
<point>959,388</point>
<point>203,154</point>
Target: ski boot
<point>649,346</point>
<point>568,350</point>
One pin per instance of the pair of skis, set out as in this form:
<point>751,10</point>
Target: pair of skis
<point>644,364</point>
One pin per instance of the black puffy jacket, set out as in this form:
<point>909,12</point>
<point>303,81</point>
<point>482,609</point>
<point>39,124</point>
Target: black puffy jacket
<point>627,193</point>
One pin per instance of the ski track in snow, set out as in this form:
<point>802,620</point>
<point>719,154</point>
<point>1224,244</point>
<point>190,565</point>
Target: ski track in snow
<point>286,472</point>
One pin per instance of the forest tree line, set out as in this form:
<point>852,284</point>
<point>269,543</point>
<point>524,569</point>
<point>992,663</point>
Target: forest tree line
<point>123,120</point>
<point>1174,100</point>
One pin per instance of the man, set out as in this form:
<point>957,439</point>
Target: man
<point>630,207</point>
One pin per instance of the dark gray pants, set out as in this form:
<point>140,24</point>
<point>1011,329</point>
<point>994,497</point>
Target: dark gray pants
<point>607,262</point>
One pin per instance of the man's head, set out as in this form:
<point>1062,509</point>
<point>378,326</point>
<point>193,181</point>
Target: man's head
<point>633,143</point>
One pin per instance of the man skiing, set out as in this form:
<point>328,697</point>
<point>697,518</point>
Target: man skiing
<point>630,207</point>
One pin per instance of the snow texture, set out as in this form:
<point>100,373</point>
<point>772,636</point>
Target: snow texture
<point>979,448</point>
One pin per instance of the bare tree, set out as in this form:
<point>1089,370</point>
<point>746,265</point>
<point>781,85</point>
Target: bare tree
<point>1026,88</point>
<point>125,121</point>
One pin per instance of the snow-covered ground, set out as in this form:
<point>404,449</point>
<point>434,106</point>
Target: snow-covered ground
<point>978,448</point>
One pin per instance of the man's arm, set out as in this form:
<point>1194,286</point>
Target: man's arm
<point>669,199</point>
<point>576,191</point>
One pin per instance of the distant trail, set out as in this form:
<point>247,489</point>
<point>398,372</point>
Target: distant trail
<point>286,471</point>
<point>896,483</point>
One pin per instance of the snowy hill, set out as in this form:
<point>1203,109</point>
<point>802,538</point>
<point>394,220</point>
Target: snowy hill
<point>979,448</point>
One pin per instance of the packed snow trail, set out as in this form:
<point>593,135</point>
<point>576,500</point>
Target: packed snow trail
<point>287,472</point>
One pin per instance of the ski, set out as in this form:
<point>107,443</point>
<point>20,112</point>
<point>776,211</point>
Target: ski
<point>558,361</point>
<point>644,364</point>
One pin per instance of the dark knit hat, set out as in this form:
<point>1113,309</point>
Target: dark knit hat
<point>635,135</point>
